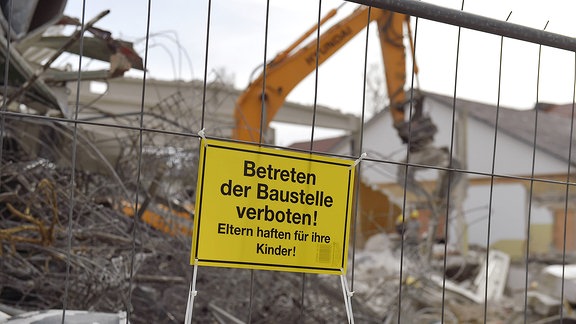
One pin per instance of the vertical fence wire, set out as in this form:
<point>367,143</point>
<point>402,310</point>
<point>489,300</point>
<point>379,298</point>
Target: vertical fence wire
<point>311,146</point>
<point>137,205</point>
<point>492,170</point>
<point>263,108</point>
<point>360,151</point>
<point>404,184</point>
<point>72,183</point>
<point>316,76</point>
<point>450,166</point>
<point>206,56</point>
<point>531,189</point>
<point>567,196</point>
<point>4,108</point>
<point>5,86</point>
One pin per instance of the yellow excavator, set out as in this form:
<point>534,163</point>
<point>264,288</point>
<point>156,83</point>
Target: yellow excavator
<point>266,94</point>
<point>290,67</point>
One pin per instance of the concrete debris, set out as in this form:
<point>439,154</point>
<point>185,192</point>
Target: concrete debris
<point>72,317</point>
<point>556,280</point>
<point>488,285</point>
<point>543,304</point>
<point>425,292</point>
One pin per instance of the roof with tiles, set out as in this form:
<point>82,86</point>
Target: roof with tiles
<point>553,122</point>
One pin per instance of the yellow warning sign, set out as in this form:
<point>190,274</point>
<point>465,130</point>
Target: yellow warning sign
<point>271,209</point>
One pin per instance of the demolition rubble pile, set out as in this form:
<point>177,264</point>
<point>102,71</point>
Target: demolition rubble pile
<point>37,251</point>
<point>58,241</point>
<point>74,243</point>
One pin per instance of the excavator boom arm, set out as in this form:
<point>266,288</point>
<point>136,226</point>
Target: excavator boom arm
<point>287,70</point>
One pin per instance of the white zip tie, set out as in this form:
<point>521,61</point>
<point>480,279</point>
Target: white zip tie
<point>362,156</point>
<point>202,134</point>
<point>347,298</point>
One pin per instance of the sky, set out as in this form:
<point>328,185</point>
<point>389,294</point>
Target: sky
<point>236,48</point>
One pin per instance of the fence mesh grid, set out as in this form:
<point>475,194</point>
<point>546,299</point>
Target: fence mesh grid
<point>98,173</point>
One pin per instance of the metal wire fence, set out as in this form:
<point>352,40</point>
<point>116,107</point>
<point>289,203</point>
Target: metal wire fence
<point>97,199</point>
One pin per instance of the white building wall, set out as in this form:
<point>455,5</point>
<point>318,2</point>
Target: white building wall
<point>506,208</point>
